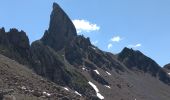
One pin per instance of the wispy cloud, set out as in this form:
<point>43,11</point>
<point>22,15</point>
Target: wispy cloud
<point>85,26</point>
<point>116,39</point>
<point>94,42</point>
<point>135,46</point>
<point>109,46</point>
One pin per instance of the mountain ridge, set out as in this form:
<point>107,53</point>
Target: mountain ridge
<point>71,61</point>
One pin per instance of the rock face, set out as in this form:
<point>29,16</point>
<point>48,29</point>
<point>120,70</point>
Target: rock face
<point>61,30</point>
<point>48,63</point>
<point>135,60</point>
<point>71,61</point>
<point>49,56</point>
<point>15,44</point>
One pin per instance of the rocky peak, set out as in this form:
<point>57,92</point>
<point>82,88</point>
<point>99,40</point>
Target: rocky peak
<point>135,59</point>
<point>167,66</point>
<point>14,38</point>
<point>15,44</point>
<point>126,52</point>
<point>82,42</point>
<point>18,38</point>
<point>3,37</point>
<point>2,30</point>
<point>61,30</point>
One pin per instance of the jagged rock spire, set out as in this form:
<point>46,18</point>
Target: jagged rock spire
<point>61,29</point>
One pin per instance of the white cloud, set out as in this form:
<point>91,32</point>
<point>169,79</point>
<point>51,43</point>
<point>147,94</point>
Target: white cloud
<point>94,42</point>
<point>135,46</point>
<point>116,39</point>
<point>109,45</point>
<point>85,26</point>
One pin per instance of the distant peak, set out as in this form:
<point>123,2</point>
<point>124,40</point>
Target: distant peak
<point>130,51</point>
<point>126,48</point>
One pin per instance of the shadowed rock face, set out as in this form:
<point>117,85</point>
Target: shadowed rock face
<point>61,30</point>
<point>49,53</point>
<point>135,60</point>
<point>15,45</point>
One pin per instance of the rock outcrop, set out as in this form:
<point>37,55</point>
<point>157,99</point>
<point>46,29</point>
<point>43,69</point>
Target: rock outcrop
<point>61,29</point>
<point>15,44</point>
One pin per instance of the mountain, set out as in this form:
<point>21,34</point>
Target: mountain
<point>70,62</point>
<point>135,60</point>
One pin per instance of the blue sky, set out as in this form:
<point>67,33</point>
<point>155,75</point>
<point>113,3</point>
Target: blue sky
<point>111,25</point>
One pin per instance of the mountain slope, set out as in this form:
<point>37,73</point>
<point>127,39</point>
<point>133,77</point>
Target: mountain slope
<point>112,77</point>
<point>71,61</point>
<point>17,81</point>
<point>138,61</point>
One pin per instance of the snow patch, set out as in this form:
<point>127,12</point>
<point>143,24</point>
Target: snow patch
<point>108,73</point>
<point>66,88</point>
<point>23,88</point>
<point>97,72</point>
<point>100,96</point>
<point>93,48</point>
<point>46,94</point>
<point>77,93</point>
<point>94,86</point>
<point>84,69</point>
<point>97,90</point>
<point>107,86</point>
<point>31,90</point>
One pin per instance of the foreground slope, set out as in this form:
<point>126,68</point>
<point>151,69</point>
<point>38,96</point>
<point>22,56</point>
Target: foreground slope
<point>17,81</point>
<point>71,61</point>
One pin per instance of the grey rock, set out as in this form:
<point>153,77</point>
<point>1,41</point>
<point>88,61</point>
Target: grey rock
<point>61,30</point>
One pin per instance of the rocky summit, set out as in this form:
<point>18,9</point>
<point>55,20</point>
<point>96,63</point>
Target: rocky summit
<point>61,30</point>
<point>65,66</point>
